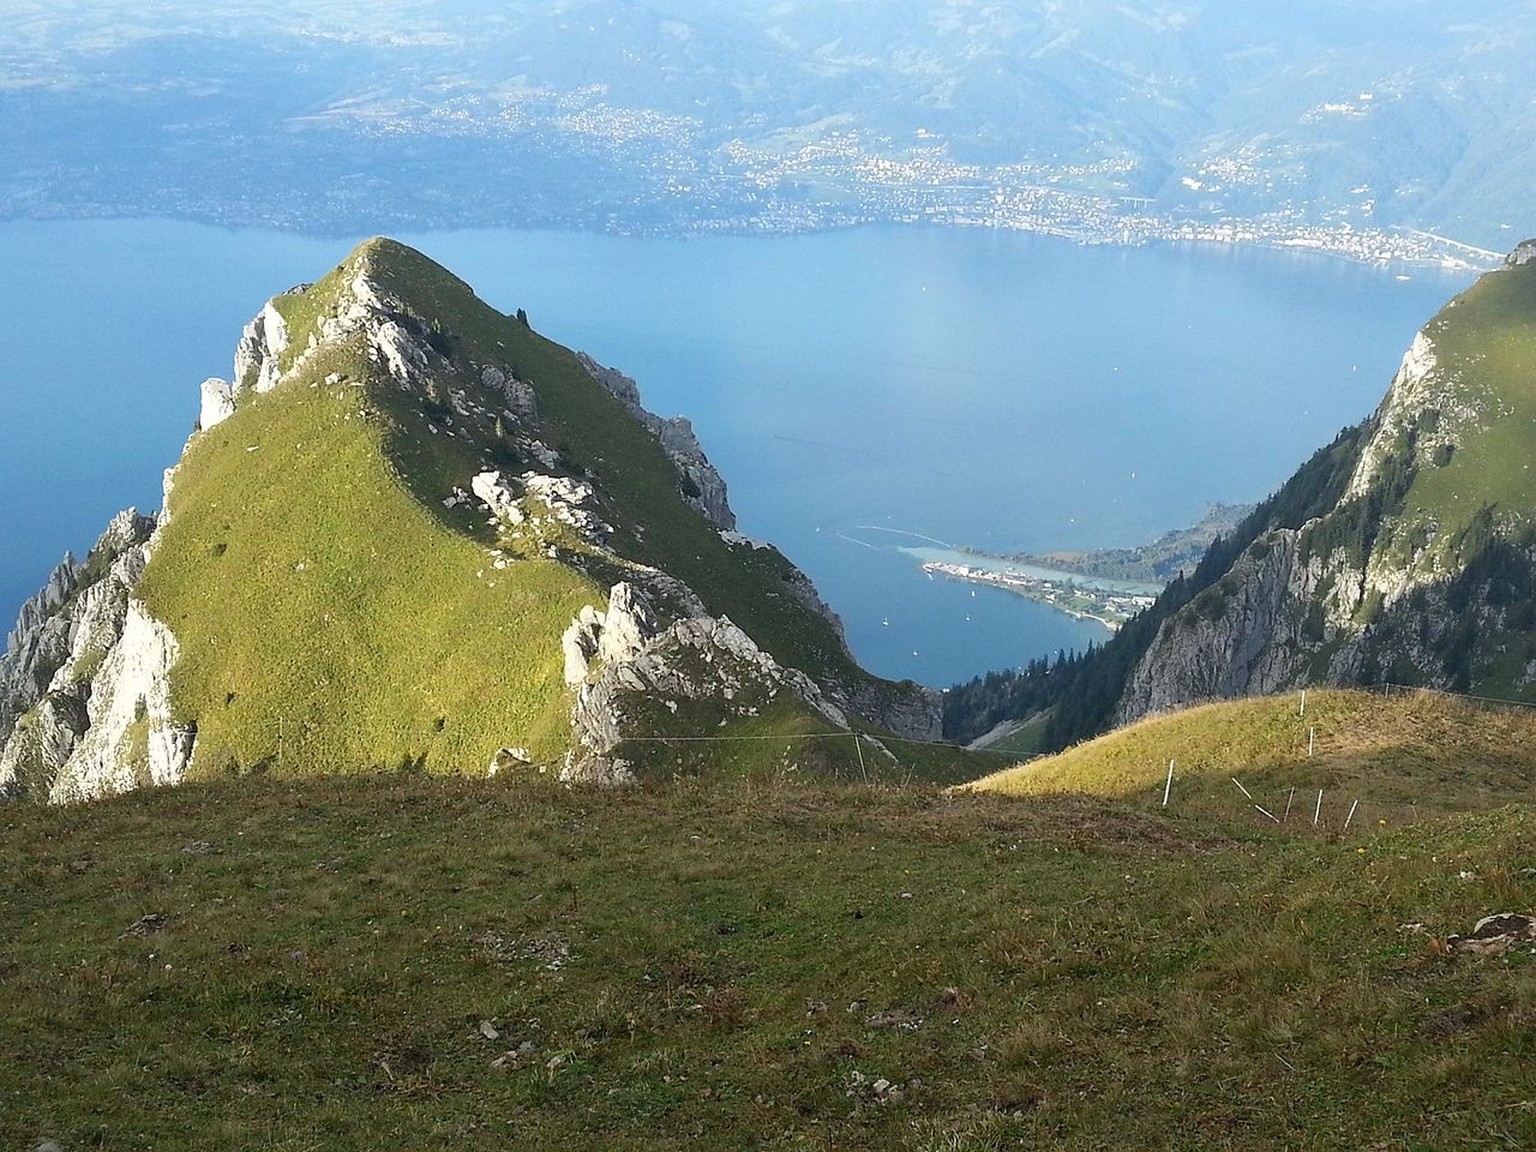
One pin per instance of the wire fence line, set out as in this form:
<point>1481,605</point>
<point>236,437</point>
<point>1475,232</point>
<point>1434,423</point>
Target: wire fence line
<point>843,734</point>
<point>1486,703</point>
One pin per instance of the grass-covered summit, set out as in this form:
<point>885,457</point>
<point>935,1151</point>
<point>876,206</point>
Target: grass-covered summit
<point>414,532</point>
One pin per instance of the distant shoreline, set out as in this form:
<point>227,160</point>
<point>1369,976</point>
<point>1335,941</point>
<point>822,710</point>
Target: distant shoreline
<point>1059,591</point>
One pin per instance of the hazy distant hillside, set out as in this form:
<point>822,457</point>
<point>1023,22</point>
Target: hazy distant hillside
<point>683,115</point>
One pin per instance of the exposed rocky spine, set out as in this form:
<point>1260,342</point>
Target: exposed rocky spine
<point>698,481</point>
<point>84,685</point>
<point>624,659</point>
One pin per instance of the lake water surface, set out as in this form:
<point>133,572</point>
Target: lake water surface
<point>862,392</point>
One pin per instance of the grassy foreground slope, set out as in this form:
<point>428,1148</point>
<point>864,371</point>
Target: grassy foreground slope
<point>399,961</point>
<point>1401,756</point>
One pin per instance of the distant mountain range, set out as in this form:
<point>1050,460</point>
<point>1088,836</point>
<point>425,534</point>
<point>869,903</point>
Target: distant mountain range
<point>1105,121</point>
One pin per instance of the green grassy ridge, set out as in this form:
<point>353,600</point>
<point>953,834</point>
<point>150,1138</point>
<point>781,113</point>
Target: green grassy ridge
<point>636,480</point>
<point>1438,500</point>
<point>1486,340</point>
<point>334,614</point>
<point>703,967</point>
<point>328,621</point>
<point>1401,756</point>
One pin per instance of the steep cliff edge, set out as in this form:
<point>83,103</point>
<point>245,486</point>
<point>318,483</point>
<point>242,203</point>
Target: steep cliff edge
<point>1421,571</point>
<point>84,682</point>
<point>1405,551</point>
<point>398,524</point>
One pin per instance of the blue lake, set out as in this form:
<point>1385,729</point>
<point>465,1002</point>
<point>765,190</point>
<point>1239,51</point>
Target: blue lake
<point>861,391</point>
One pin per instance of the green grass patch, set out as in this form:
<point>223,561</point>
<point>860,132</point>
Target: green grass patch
<point>1401,757</point>
<point>328,621</point>
<point>361,962</point>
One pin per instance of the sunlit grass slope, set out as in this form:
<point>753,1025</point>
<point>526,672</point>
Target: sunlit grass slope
<point>1486,342</point>
<point>1398,755</point>
<point>334,615</point>
<point>399,962</point>
<point>329,622</point>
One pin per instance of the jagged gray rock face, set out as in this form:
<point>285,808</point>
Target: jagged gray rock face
<point>701,485</point>
<point>1293,611</point>
<point>36,646</point>
<point>1524,253</point>
<point>624,660</point>
<point>256,357</point>
<point>908,710</point>
<point>85,709</point>
<point>1253,641</point>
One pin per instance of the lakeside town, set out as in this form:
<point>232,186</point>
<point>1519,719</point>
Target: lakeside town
<point>1060,591</point>
<point>683,180</point>
<point>654,174</point>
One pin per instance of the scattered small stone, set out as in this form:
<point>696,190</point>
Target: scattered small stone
<point>954,998</point>
<point>1494,935</point>
<point>80,866</point>
<point>488,1030</point>
<point>512,1057</point>
<point>144,925</point>
<point>879,1091</point>
<point>895,1018</point>
<point>549,951</point>
<point>199,848</point>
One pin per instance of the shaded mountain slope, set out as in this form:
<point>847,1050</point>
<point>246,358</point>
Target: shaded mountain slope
<point>1403,552</point>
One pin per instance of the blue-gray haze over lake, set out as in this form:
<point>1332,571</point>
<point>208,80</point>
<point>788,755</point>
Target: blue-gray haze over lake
<point>860,390</point>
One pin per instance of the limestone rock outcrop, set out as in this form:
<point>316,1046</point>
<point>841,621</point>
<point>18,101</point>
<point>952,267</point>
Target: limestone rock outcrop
<point>84,685</point>
<point>701,485</point>
<point>257,357</point>
<point>624,664</point>
<point>218,403</point>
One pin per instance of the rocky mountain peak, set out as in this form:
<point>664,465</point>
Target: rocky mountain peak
<point>411,530</point>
